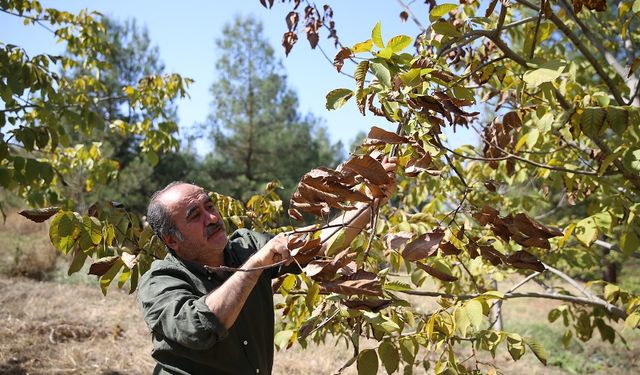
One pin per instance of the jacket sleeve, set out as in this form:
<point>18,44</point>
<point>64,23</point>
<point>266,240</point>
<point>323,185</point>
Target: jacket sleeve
<point>172,309</point>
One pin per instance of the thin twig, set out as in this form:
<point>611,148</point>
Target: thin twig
<point>535,33</point>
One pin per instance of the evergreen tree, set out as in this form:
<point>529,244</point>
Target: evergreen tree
<point>257,131</point>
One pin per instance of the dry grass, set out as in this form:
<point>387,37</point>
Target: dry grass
<point>25,249</point>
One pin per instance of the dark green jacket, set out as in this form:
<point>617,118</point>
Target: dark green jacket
<point>187,336</point>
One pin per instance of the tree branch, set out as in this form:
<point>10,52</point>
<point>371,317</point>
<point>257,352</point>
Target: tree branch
<point>413,17</point>
<point>583,49</point>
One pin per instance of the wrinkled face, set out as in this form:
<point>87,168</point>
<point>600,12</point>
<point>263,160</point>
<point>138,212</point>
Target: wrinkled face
<point>197,219</point>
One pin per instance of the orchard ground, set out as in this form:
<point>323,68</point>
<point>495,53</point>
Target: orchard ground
<point>54,324</point>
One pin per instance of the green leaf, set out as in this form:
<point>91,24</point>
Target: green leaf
<point>537,349</point>
<point>586,231</point>
<point>611,293</point>
<point>397,286</point>
<point>376,36</point>
<point>399,42</point>
<point>63,231</point>
<point>367,362</point>
<point>337,98</point>
<point>389,356</point>
<point>445,28</point>
<point>547,72</point>
<point>592,121</point>
<point>77,262</point>
<point>532,137</point>
<point>629,241</point>
<point>410,76</point>
<point>108,277</point>
<point>515,346</point>
<point>152,157</point>
<point>618,119</point>
<point>381,72</point>
<point>473,309</point>
<point>441,10</point>
<point>385,53</point>
<point>362,46</point>
<point>461,318</point>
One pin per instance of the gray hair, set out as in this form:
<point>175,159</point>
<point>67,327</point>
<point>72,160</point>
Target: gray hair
<point>158,217</point>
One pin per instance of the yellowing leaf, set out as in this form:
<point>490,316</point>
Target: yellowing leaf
<point>445,28</point>
<point>376,36</point>
<point>337,98</point>
<point>441,10</point>
<point>399,42</point>
<point>586,231</point>
<point>547,72</point>
<point>362,46</point>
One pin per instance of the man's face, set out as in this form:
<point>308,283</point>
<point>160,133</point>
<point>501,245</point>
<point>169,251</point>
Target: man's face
<point>197,219</point>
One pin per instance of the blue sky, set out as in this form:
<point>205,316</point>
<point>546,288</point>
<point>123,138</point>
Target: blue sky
<point>185,33</point>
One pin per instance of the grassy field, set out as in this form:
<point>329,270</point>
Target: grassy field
<point>54,324</point>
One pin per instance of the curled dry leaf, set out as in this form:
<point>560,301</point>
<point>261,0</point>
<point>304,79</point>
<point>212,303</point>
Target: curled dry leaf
<point>416,166</point>
<point>374,305</point>
<point>449,249</point>
<point>379,136</point>
<point>309,248</point>
<point>360,283</point>
<point>288,40</point>
<point>495,257</point>
<point>424,246</point>
<point>327,269</point>
<point>129,260</point>
<point>342,55</point>
<point>525,260</point>
<point>39,215</point>
<point>369,168</point>
<point>395,241</point>
<point>436,272</point>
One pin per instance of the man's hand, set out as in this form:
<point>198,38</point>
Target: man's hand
<point>272,252</point>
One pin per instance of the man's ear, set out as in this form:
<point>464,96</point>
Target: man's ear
<point>171,241</point>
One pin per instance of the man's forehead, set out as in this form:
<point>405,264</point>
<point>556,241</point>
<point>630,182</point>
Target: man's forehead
<point>180,196</point>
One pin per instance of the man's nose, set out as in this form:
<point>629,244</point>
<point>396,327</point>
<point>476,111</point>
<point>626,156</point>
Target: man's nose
<point>212,217</point>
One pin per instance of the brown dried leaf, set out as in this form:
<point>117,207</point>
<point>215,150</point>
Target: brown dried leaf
<point>395,240</point>
<point>342,55</point>
<point>525,260</point>
<point>424,246</point>
<point>288,40</point>
<point>492,255</point>
<point>472,248</point>
<point>295,214</point>
<point>486,216</point>
<point>387,137</point>
<point>436,272</point>
<point>369,168</point>
<point>292,20</point>
<point>361,283</point>
<point>415,167</point>
<point>309,248</point>
<point>313,38</point>
<point>325,269</point>
<point>39,215</point>
<point>374,305</point>
<point>449,249</point>
<point>404,16</point>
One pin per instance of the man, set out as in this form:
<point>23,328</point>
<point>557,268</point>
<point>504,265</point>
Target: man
<point>205,321</point>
